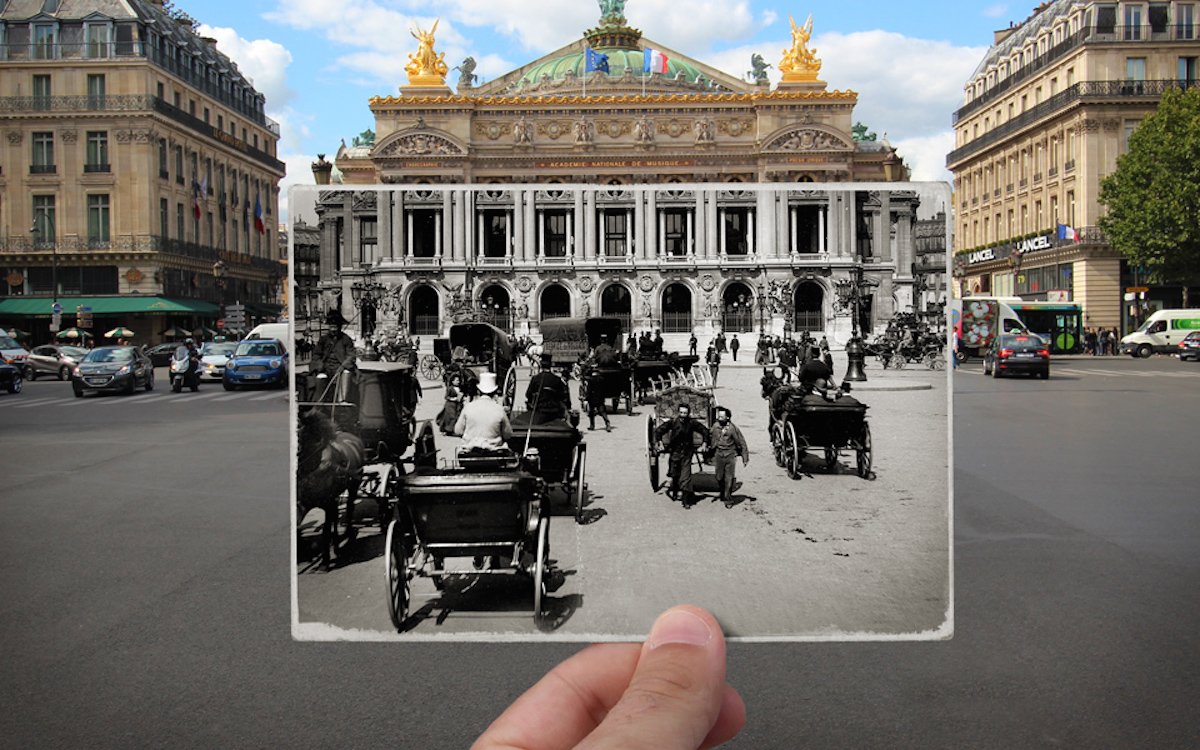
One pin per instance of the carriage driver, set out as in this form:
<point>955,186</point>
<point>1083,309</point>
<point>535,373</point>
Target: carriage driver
<point>605,355</point>
<point>483,423</point>
<point>816,376</point>
<point>547,397</point>
<point>676,437</point>
<point>335,350</point>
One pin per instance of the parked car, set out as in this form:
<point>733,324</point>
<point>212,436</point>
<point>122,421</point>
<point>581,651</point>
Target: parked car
<point>160,355</point>
<point>11,351</point>
<point>213,358</point>
<point>1017,352</point>
<point>10,378</point>
<point>53,359</point>
<point>257,362</point>
<point>1189,348</point>
<point>119,369</point>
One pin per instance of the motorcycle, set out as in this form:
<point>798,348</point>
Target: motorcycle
<point>185,371</point>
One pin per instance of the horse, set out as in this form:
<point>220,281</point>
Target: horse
<point>329,463</point>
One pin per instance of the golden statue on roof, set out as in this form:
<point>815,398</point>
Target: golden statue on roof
<point>799,63</point>
<point>426,67</point>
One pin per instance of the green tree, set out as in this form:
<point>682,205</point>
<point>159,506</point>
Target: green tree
<point>1153,197</point>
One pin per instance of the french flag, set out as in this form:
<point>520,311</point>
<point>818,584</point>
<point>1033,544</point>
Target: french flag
<point>258,216</point>
<point>1067,233</point>
<point>654,61</point>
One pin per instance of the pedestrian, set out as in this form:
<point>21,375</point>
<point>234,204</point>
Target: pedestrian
<point>787,360</point>
<point>726,444</point>
<point>1089,338</point>
<point>1115,342</point>
<point>713,359</point>
<point>593,395</point>
<point>658,341</point>
<point>675,437</point>
<point>693,342</point>
<point>453,405</point>
<point>734,346</point>
<point>631,347</point>
<point>720,342</point>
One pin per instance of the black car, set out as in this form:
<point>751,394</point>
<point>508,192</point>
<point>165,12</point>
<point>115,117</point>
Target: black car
<point>53,359</point>
<point>1017,352</point>
<point>160,356</point>
<point>10,378</point>
<point>113,369</point>
<point>1189,348</point>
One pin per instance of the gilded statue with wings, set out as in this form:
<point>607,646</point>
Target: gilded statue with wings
<point>426,67</point>
<point>799,63</point>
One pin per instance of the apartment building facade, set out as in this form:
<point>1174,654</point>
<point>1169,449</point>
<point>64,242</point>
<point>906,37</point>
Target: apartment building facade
<point>139,175</point>
<point>1045,116</point>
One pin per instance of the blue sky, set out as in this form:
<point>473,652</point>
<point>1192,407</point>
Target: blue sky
<point>319,61</point>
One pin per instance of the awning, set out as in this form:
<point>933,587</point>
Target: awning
<point>264,308</point>
<point>39,307</point>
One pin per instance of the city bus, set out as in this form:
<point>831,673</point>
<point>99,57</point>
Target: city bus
<point>1059,323</point>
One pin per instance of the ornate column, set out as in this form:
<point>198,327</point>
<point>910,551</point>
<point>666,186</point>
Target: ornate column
<point>589,226</point>
<point>445,219</point>
<point>639,226</point>
<point>700,249</point>
<point>578,229</point>
<point>514,234</point>
<point>710,226</point>
<point>652,237</point>
<point>399,248</point>
<point>383,234</point>
<point>531,224</point>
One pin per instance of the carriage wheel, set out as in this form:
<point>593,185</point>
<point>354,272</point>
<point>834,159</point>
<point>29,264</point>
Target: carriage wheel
<point>510,388</point>
<point>777,445</point>
<point>580,480</point>
<point>793,452</point>
<point>831,458</point>
<point>864,452</point>
<point>396,561</point>
<point>935,361</point>
<point>898,361</point>
<point>629,397</point>
<point>539,567</point>
<point>652,454</point>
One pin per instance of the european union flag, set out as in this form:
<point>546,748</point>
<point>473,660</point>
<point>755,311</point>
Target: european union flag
<point>595,61</point>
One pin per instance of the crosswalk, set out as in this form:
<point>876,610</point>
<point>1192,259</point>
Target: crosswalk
<point>159,396</point>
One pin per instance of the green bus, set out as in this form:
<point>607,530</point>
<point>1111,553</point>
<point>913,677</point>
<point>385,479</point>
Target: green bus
<point>1059,323</point>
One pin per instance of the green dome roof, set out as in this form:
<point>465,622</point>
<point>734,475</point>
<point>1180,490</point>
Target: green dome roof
<point>618,61</point>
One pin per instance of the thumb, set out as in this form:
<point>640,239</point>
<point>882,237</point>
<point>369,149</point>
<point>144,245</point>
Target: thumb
<point>677,690</point>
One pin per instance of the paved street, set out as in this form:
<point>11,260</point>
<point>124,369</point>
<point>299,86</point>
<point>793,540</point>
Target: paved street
<point>146,581</point>
<point>820,556</point>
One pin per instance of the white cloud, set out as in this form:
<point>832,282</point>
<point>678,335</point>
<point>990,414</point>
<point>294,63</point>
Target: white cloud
<point>994,11</point>
<point>262,60</point>
<point>299,172</point>
<point>926,156</point>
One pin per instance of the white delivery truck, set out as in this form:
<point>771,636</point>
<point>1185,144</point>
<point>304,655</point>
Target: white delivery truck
<point>271,331</point>
<point>977,321</point>
<point>1161,333</point>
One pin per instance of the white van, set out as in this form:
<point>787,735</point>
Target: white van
<point>272,331</point>
<point>1161,333</point>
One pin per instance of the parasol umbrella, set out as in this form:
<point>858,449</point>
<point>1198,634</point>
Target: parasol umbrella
<point>176,332</point>
<point>120,332</point>
<point>74,333</point>
<point>17,333</point>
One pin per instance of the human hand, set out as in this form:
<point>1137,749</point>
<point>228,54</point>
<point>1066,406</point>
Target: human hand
<point>668,693</point>
<point>745,460</point>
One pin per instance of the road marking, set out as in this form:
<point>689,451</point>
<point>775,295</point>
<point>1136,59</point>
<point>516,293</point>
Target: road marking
<point>230,397</point>
<point>270,396</point>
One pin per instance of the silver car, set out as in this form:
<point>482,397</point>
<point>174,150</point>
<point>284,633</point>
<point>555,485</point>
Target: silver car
<point>214,355</point>
<point>53,359</point>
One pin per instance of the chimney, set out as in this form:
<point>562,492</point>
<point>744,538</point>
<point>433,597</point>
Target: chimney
<point>1002,34</point>
<point>210,41</point>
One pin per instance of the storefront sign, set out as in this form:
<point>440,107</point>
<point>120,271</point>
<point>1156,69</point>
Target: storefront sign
<point>1035,243</point>
<point>981,256</point>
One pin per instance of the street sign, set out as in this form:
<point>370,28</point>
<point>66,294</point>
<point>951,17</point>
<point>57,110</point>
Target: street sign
<point>1137,289</point>
<point>56,308</point>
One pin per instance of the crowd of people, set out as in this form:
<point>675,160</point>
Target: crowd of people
<point>1101,341</point>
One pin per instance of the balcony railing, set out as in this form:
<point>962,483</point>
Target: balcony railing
<point>135,49</point>
<point>114,103</point>
<point>138,243</point>
<point>200,126</point>
<point>1181,32</point>
<point>42,169</point>
<point>1085,90</point>
<point>94,168</point>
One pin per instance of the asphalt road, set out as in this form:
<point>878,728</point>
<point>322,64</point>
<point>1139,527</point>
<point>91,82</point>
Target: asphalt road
<point>145,581</point>
<point>828,555</point>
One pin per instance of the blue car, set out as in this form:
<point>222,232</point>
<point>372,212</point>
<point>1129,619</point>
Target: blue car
<point>257,362</point>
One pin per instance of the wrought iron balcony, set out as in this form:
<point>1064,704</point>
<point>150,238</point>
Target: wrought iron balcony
<point>94,168</point>
<point>42,169</point>
<point>115,103</point>
<point>1083,92</point>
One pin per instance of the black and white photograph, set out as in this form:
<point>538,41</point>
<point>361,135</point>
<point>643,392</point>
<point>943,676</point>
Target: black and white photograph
<point>549,411</point>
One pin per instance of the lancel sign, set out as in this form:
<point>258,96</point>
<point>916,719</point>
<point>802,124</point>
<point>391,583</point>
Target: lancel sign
<point>1043,242</point>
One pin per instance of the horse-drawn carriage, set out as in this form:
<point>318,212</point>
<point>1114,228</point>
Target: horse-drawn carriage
<point>474,348</point>
<point>572,340</point>
<point>800,419</point>
<point>555,452</point>
<point>489,507</point>
<point>702,405</point>
<point>655,371</point>
<point>353,433</point>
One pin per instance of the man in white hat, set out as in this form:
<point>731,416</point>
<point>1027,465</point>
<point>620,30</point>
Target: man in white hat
<point>483,423</point>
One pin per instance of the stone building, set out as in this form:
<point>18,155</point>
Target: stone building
<point>1046,114</point>
<point>636,197</point>
<point>139,174</point>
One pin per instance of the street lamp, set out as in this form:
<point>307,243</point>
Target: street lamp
<point>849,292</point>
